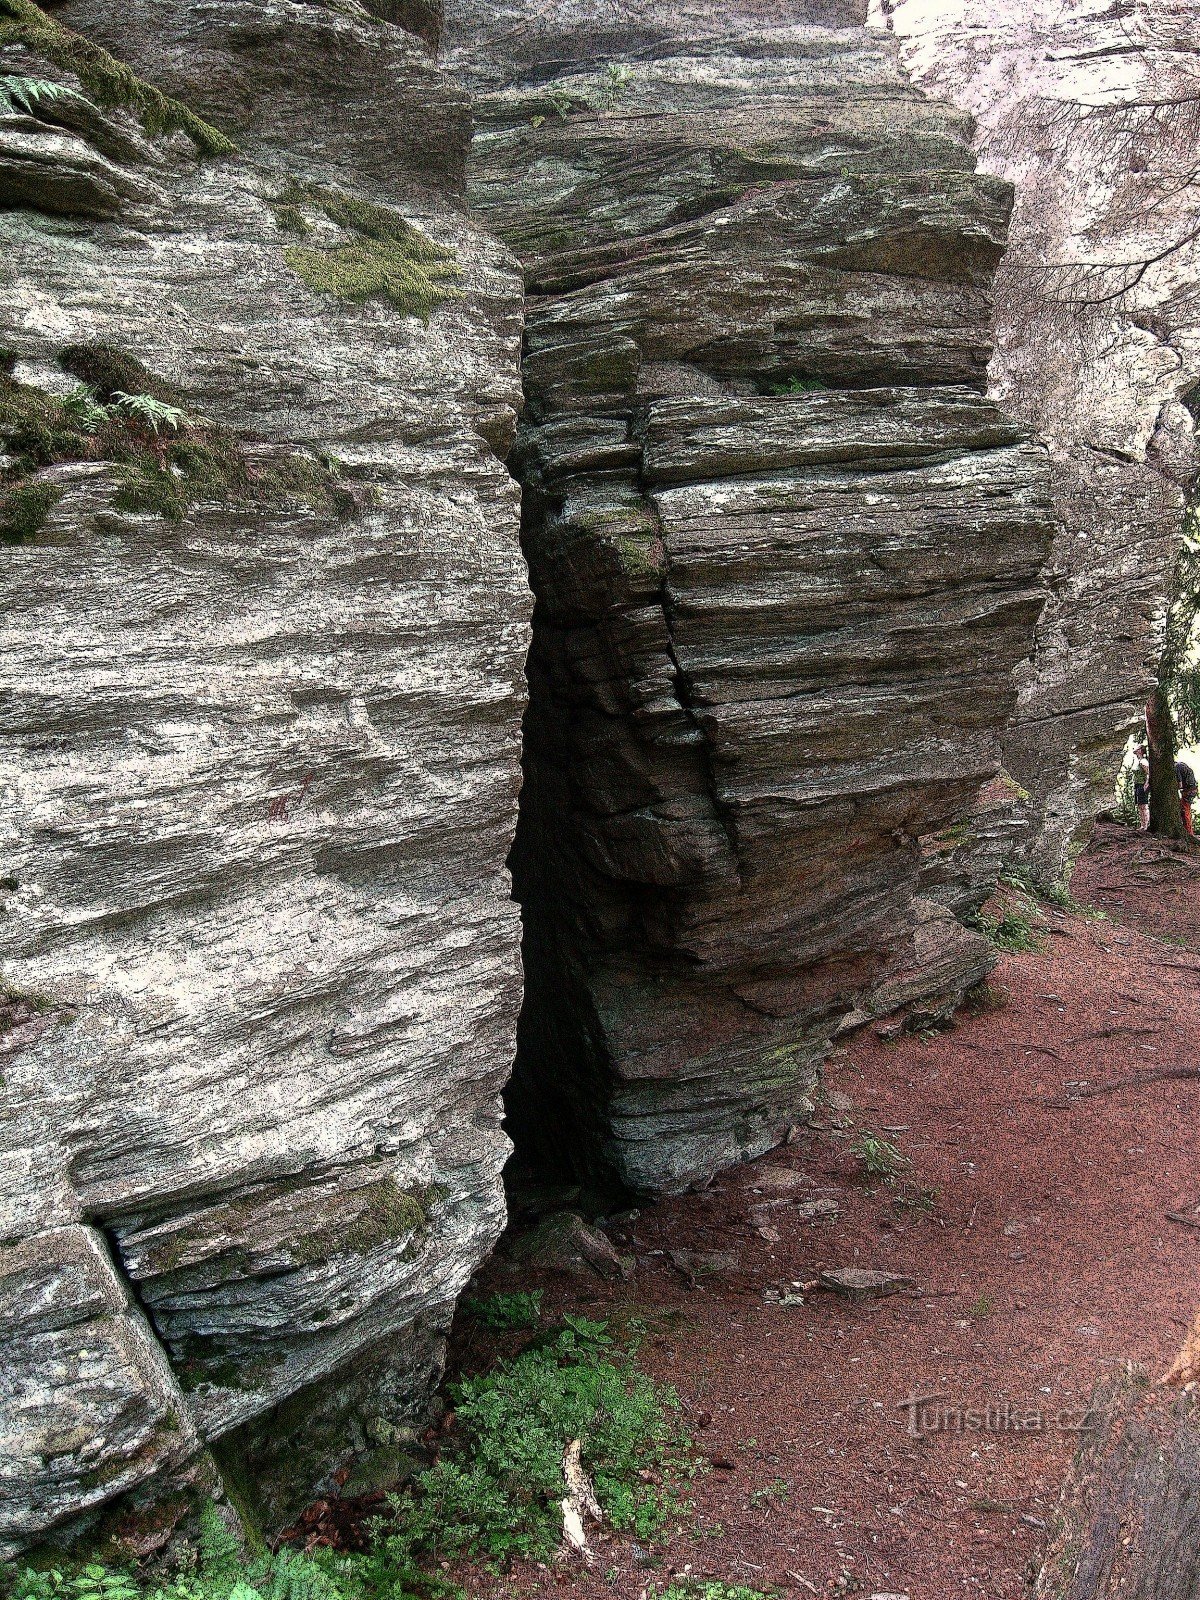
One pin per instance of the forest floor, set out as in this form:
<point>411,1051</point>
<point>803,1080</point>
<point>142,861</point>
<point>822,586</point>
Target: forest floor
<point>1033,1224</point>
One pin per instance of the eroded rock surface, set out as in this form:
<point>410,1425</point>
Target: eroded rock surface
<point>260,764</point>
<point>1090,110</point>
<point>785,556</point>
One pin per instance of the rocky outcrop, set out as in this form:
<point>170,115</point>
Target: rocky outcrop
<point>1090,112</point>
<point>785,556</point>
<point>262,696</point>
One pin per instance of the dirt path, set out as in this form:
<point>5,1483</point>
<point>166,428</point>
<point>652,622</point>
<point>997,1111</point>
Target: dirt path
<point>1046,1260</point>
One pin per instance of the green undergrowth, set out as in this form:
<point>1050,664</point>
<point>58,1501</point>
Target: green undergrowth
<point>385,258</point>
<point>496,1490</point>
<point>107,81</point>
<point>165,462</point>
<point>506,1313</point>
<point>707,1589</point>
<point>798,386</point>
<point>1012,930</point>
<point>878,1157</point>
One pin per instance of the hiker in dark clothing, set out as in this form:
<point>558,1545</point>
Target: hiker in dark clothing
<point>1141,786</point>
<point>1186,779</point>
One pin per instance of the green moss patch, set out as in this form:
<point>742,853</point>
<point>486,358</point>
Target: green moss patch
<point>23,510</point>
<point>377,1214</point>
<point>108,81</point>
<point>387,258</point>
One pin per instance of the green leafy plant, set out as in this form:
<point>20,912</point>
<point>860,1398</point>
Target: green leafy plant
<point>221,1572</point>
<point>107,81</point>
<point>618,78</point>
<point>27,94</point>
<point>773,1493</point>
<point>922,1203</point>
<point>983,1306</point>
<point>878,1157</point>
<point>507,1312</point>
<point>495,1492</point>
<point>1012,930</point>
<point>156,415</point>
<point>165,462</point>
<point>706,1589</point>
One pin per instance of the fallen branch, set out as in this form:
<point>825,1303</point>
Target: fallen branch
<point>1137,1080</point>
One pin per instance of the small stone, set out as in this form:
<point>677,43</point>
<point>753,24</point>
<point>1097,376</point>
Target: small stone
<point>863,1283</point>
<point>818,1210</point>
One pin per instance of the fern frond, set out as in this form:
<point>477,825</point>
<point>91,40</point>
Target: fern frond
<point>85,410</point>
<point>153,414</point>
<point>26,94</point>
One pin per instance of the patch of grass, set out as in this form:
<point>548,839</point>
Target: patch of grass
<point>23,510</point>
<point>774,1493</point>
<point>107,81</point>
<point>387,258</point>
<point>982,1307</point>
<point>878,1157</point>
<point>27,94</point>
<point>508,1312</point>
<point>495,1492</point>
<point>921,1204</point>
<point>218,1571</point>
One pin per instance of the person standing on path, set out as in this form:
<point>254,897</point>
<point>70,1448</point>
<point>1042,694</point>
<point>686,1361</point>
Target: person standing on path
<point>1187,794</point>
<point>1141,786</point>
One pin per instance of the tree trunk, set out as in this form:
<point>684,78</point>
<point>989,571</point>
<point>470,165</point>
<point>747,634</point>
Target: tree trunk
<point>1129,1525</point>
<point>1165,816</point>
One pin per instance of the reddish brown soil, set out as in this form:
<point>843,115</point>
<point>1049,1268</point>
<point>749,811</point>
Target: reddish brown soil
<point>1142,881</point>
<point>1048,1260</point>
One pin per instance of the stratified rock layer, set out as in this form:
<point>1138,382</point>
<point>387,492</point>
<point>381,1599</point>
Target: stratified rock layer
<point>1097,355</point>
<point>260,765</point>
<point>785,557</point>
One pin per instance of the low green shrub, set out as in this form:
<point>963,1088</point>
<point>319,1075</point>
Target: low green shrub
<point>798,385</point>
<point>166,463</point>
<point>23,510</point>
<point>496,1491</point>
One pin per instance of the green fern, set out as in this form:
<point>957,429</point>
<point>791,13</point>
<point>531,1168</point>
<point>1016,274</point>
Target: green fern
<point>154,414</point>
<point>85,410</point>
<point>26,94</point>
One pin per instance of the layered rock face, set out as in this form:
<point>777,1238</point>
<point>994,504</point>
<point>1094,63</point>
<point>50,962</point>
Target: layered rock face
<point>785,554</point>
<point>1089,109</point>
<point>262,697</point>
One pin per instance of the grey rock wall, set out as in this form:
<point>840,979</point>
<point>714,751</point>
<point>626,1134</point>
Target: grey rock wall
<point>1097,358</point>
<point>259,768</point>
<point>785,556</point>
